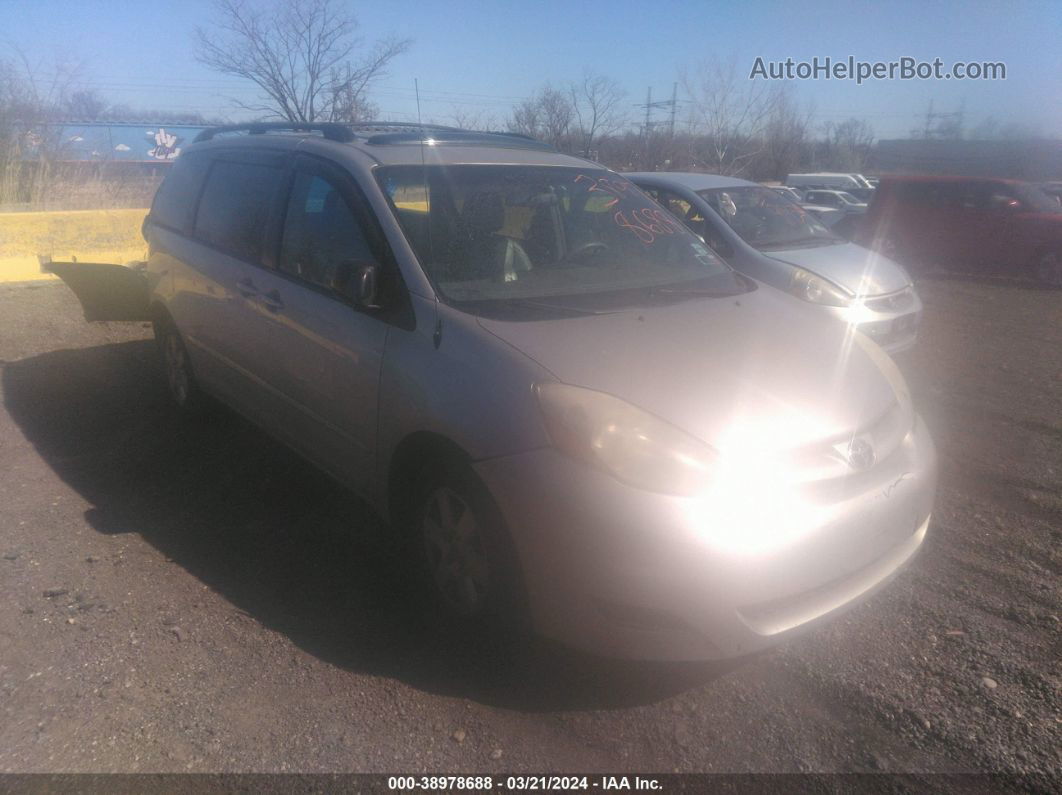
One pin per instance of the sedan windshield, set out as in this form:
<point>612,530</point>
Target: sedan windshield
<point>764,219</point>
<point>516,233</point>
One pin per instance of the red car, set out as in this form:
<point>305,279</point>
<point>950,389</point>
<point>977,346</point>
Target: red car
<point>970,224</point>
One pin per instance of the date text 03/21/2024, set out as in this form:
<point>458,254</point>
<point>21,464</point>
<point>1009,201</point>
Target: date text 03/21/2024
<point>522,783</point>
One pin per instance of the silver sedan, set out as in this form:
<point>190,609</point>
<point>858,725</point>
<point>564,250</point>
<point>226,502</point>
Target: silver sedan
<point>778,243</point>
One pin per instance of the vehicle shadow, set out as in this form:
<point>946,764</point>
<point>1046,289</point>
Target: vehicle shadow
<point>281,541</point>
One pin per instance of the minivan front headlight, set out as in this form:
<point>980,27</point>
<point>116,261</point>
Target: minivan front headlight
<point>809,287</point>
<point>630,444</point>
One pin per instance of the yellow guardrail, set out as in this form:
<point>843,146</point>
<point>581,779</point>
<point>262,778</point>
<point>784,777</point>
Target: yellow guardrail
<point>88,235</point>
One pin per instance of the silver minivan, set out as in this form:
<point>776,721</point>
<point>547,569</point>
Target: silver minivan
<point>779,243</point>
<point>575,410</point>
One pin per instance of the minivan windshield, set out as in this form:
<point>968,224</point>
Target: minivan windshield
<point>515,233</point>
<point>766,220</point>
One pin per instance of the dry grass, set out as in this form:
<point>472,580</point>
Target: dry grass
<point>89,235</point>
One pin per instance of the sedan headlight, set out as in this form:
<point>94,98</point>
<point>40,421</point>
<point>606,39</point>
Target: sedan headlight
<point>817,290</point>
<point>628,443</point>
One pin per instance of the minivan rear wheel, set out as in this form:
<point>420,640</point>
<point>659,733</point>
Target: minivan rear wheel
<point>468,561</point>
<point>177,368</point>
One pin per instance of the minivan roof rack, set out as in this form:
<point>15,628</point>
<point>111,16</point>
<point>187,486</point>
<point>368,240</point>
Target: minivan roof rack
<point>382,133</point>
<point>333,131</point>
<point>453,136</point>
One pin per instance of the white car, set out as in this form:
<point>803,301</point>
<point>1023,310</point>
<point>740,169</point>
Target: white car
<point>827,215</point>
<point>838,199</point>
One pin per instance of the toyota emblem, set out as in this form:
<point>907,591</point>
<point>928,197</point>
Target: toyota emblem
<point>860,454</point>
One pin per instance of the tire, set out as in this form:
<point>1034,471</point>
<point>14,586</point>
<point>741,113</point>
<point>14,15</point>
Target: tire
<point>1048,269</point>
<point>468,563</point>
<point>180,381</point>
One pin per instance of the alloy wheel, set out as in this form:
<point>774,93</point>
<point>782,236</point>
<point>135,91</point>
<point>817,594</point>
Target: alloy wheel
<point>453,546</point>
<point>176,368</point>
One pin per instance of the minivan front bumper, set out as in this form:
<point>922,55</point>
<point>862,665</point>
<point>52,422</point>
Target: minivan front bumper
<point>616,570</point>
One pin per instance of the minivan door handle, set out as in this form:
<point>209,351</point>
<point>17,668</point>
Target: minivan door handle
<point>272,301</point>
<point>246,288</point>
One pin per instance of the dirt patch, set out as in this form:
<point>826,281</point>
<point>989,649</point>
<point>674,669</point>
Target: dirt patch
<point>197,598</point>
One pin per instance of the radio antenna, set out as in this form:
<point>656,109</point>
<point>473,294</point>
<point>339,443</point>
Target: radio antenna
<point>416,90</point>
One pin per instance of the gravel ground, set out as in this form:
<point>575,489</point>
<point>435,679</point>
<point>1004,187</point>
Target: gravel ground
<point>195,598</point>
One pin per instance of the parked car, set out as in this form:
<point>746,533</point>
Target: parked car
<point>855,185</point>
<point>838,199</point>
<point>775,241</point>
<point>792,193</point>
<point>831,180</point>
<point>572,406</point>
<point>829,216</point>
<point>972,224</point>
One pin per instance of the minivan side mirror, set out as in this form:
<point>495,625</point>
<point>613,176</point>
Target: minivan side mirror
<point>358,282</point>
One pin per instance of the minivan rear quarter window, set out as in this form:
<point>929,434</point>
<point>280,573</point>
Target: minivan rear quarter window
<point>175,200</point>
<point>235,207</point>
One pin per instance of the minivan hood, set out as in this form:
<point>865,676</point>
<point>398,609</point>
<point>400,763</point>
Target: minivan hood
<point>759,366</point>
<point>857,269</point>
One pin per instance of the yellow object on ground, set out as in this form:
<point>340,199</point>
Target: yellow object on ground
<point>89,235</point>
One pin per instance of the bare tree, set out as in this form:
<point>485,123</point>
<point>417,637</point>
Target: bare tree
<point>729,112</point>
<point>31,95</point>
<point>596,105</point>
<point>470,119</point>
<point>302,54</point>
<point>85,105</point>
<point>991,128</point>
<point>848,144</point>
<point>785,135</point>
<point>547,116</point>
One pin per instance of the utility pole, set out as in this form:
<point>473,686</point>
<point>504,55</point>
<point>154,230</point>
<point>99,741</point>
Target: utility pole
<point>647,128</point>
<point>944,124</point>
<point>929,120</point>
<point>648,110</point>
<point>674,106</point>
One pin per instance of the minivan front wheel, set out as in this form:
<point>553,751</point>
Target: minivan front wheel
<point>468,560</point>
<point>455,552</point>
<point>1048,269</point>
<point>177,368</point>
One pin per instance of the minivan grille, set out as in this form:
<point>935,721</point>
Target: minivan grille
<point>894,302</point>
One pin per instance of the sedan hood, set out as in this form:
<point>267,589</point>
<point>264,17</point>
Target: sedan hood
<point>759,368</point>
<point>857,269</point>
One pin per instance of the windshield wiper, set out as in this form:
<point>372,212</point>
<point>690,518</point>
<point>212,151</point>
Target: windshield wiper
<point>709,292</point>
<point>531,304</point>
<point>800,242</point>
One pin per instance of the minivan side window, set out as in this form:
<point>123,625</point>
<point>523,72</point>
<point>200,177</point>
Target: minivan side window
<point>234,210</point>
<point>175,199</point>
<point>321,233</point>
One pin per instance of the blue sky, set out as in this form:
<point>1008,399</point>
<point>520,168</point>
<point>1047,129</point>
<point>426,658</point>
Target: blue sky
<point>483,56</point>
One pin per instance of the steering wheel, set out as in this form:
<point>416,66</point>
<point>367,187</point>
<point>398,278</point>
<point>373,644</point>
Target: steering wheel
<point>587,250</point>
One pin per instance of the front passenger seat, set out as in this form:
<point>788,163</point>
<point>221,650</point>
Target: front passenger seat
<point>479,251</point>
